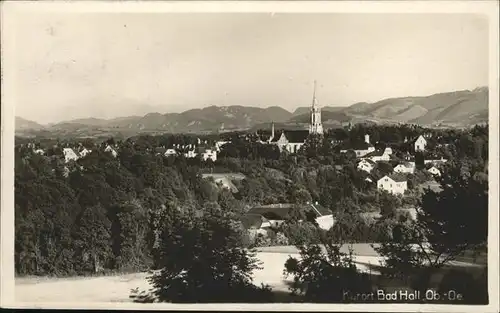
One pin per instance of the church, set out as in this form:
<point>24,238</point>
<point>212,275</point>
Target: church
<point>293,140</point>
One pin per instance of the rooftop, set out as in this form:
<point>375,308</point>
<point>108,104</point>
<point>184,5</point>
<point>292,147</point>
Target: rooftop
<point>293,136</point>
<point>397,177</point>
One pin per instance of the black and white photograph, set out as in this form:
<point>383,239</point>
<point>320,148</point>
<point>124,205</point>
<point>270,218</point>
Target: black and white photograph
<point>267,158</point>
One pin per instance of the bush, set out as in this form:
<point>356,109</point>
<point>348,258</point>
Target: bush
<point>202,259</point>
<point>326,277</point>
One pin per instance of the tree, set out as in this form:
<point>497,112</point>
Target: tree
<point>325,275</point>
<point>202,259</point>
<point>449,223</point>
<point>92,239</point>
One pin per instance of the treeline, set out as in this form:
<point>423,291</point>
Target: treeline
<point>109,214</point>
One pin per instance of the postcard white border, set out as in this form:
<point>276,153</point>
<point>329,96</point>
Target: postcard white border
<point>12,10</point>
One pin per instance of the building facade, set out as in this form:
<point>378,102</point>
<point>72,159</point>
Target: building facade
<point>420,144</point>
<point>393,184</point>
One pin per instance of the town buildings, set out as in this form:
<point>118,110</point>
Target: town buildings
<point>293,140</point>
<point>111,150</point>
<point>360,149</point>
<point>434,171</point>
<point>366,165</point>
<point>69,155</point>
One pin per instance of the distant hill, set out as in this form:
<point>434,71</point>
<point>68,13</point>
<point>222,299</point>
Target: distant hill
<point>459,108</point>
<point>211,118</point>
<point>327,117</point>
<point>454,109</point>
<point>22,124</point>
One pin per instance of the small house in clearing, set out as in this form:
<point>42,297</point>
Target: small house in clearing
<point>111,150</point>
<point>170,152</point>
<point>434,171</point>
<point>69,155</point>
<point>394,184</point>
<point>366,165</point>
<point>420,143</point>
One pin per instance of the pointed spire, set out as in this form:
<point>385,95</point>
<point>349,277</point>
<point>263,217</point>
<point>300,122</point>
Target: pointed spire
<point>314,95</point>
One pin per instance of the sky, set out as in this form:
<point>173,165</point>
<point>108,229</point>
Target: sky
<point>104,65</point>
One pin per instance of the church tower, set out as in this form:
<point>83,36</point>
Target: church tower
<point>315,127</point>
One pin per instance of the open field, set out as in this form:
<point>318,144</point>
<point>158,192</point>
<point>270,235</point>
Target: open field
<point>117,288</point>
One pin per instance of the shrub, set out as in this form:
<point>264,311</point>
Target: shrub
<point>329,276</point>
<point>202,259</point>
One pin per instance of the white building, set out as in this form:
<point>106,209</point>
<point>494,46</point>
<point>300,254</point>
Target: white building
<point>407,168</point>
<point>209,154</point>
<point>290,141</point>
<point>170,152</point>
<point>434,171</point>
<point>69,155</point>
<point>190,154</point>
<point>394,184</point>
<point>219,144</point>
<point>366,165</point>
<point>325,222</point>
<point>420,143</point>
<point>111,150</point>
<point>436,162</point>
<point>84,152</point>
<point>361,149</point>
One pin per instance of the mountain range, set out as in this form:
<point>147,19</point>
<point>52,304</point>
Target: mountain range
<point>452,109</point>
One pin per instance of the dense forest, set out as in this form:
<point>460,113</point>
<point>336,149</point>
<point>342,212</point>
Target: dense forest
<point>103,213</point>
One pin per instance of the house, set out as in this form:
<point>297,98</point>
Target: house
<point>111,150</point>
<point>420,143</point>
<point>436,162</point>
<point>366,165</point>
<point>377,156</point>
<point>209,154</point>
<point>388,151</point>
<point>405,167</point>
<point>219,144</point>
<point>190,154</point>
<point>291,140</point>
<point>325,222</point>
<point>69,155</point>
<point>394,184</point>
<point>360,149</point>
<point>84,152</point>
<point>434,171</point>
<point>280,211</point>
<point>170,152</point>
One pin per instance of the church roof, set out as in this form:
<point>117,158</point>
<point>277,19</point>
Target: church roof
<point>293,136</point>
<point>356,146</point>
<point>297,136</point>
